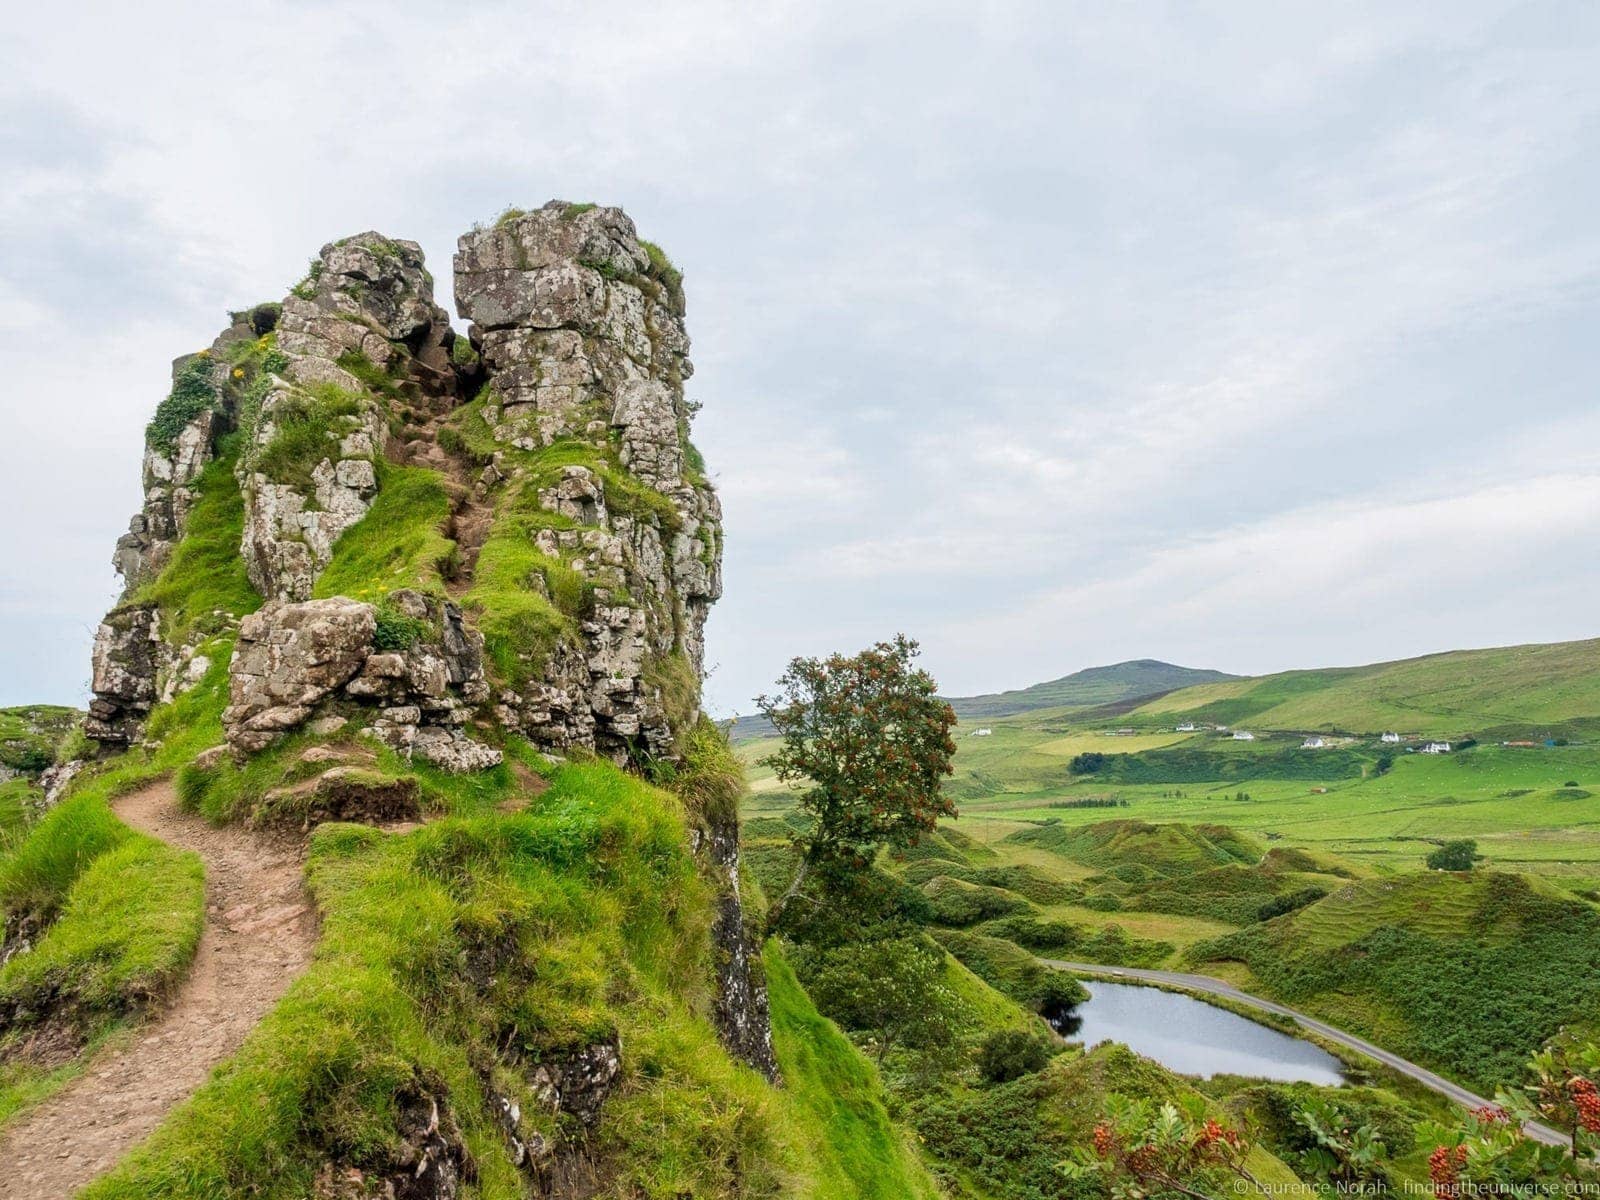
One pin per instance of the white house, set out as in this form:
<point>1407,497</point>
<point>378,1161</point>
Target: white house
<point>1313,743</point>
<point>1391,737</point>
<point>1436,748</point>
<point>1222,729</point>
<point>983,733</point>
<point>1242,736</point>
<point>1186,727</point>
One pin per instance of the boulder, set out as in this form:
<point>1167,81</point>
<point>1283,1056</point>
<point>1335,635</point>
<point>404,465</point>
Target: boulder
<point>289,657</point>
<point>127,657</point>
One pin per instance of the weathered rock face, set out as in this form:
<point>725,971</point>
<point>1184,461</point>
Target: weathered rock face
<point>288,658</point>
<point>128,654</point>
<point>743,1017</point>
<point>580,325</point>
<point>298,661</point>
<point>365,312</point>
<point>169,476</point>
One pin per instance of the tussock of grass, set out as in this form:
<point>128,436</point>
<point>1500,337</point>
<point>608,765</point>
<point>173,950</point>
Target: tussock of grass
<point>398,543</point>
<point>126,932</point>
<point>305,434</point>
<point>526,602</point>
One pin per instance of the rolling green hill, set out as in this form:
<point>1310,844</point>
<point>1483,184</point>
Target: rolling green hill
<point>1089,688</point>
<point>1530,691</point>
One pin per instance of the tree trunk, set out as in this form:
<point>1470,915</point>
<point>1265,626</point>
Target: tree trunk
<point>775,913</point>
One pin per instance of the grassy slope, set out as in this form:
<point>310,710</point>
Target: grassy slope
<point>1464,973</point>
<point>597,918</point>
<point>855,1146</point>
<point>1465,691</point>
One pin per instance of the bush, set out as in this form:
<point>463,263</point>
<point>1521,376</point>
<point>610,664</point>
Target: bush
<point>397,631</point>
<point>1086,763</point>
<point>1008,1054</point>
<point>192,393</point>
<point>1457,855</point>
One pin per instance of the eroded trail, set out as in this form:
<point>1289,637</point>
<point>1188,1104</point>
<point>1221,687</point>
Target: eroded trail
<point>259,933</point>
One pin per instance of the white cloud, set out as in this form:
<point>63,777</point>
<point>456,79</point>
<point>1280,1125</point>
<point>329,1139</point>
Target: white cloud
<point>1001,313</point>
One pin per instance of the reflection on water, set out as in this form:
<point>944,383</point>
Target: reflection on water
<point>1195,1038</point>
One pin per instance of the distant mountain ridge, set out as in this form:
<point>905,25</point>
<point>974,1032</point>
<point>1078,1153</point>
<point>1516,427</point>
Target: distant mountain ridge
<point>1142,679</point>
<point>1090,688</point>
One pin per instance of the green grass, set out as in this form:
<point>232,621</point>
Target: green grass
<point>398,543</point>
<point>856,1149</point>
<point>525,602</point>
<point>592,909</point>
<point>30,734</point>
<point>307,431</point>
<point>126,931</point>
<point>206,575</point>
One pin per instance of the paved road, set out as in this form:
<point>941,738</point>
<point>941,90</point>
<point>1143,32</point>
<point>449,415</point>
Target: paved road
<point>1218,987</point>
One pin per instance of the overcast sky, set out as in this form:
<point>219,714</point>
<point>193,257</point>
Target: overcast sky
<point>1242,335</point>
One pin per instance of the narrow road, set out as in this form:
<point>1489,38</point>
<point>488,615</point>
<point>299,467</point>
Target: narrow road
<point>259,933</point>
<point>1218,987</point>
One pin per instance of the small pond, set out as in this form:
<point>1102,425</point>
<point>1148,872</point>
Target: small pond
<point>1194,1038</point>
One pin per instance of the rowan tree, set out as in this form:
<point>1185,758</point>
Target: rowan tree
<point>870,735</point>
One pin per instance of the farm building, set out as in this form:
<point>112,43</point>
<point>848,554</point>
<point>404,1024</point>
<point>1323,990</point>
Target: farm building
<point>1391,737</point>
<point>1186,727</point>
<point>1242,736</point>
<point>983,733</point>
<point>1313,743</point>
<point>1436,748</point>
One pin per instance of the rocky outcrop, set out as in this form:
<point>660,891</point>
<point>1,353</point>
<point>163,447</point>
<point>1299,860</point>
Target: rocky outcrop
<point>410,673</point>
<point>428,1161</point>
<point>288,659</point>
<point>128,655</point>
<point>363,321</point>
<point>742,1013</point>
<point>580,327</point>
<point>574,1084</point>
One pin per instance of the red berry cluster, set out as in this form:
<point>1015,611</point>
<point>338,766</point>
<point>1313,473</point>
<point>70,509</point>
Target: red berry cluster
<point>1215,1132</point>
<point>1491,1114</point>
<point>1587,1100</point>
<point>1104,1140</point>
<point>1444,1164</point>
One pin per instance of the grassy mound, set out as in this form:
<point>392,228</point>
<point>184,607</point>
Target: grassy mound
<point>1467,974</point>
<point>1161,850</point>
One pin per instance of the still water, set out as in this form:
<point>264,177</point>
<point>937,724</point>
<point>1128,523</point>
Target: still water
<point>1194,1038</point>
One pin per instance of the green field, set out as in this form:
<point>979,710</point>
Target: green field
<point>1109,835</point>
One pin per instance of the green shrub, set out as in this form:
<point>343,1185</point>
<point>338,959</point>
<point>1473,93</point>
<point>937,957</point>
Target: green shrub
<point>1008,1054</point>
<point>396,631</point>
<point>1288,903</point>
<point>1460,854</point>
<point>959,904</point>
<point>192,394</point>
